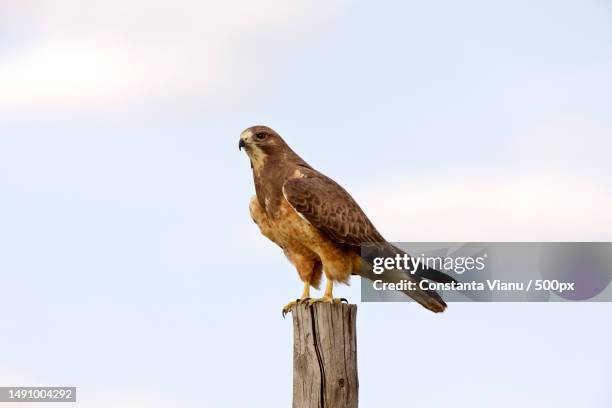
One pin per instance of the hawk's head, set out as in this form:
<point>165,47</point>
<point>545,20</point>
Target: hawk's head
<point>260,143</point>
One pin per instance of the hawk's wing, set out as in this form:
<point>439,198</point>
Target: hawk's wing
<point>330,208</point>
<point>327,206</point>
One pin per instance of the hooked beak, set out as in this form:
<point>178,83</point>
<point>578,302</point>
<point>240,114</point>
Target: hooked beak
<point>241,144</point>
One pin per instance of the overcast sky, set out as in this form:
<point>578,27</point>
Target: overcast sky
<point>131,268</point>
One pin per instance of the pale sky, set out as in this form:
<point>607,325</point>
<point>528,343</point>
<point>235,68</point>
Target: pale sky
<point>133,271</point>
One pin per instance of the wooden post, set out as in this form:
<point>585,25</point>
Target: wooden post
<point>325,356</point>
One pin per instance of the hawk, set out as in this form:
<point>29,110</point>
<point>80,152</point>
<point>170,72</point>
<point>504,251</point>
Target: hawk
<point>318,225</point>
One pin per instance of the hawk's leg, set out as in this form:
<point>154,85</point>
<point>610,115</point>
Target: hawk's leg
<point>305,296</point>
<point>328,296</point>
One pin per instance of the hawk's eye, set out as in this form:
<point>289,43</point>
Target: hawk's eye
<point>260,136</point>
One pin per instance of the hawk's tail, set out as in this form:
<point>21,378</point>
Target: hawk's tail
<point>427,298</point>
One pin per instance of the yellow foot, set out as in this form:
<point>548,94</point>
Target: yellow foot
<point>289,306</point>
<point>327,299</point>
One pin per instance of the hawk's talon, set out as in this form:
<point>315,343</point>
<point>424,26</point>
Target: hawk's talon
<point>326,299</point>
<point>344,300</point>
<point>289,306</point>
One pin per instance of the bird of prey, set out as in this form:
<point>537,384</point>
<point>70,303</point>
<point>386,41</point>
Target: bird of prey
<point>319,226</point>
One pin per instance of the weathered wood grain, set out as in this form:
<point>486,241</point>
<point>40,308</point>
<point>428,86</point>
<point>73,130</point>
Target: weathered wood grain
<point>325,356</point>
